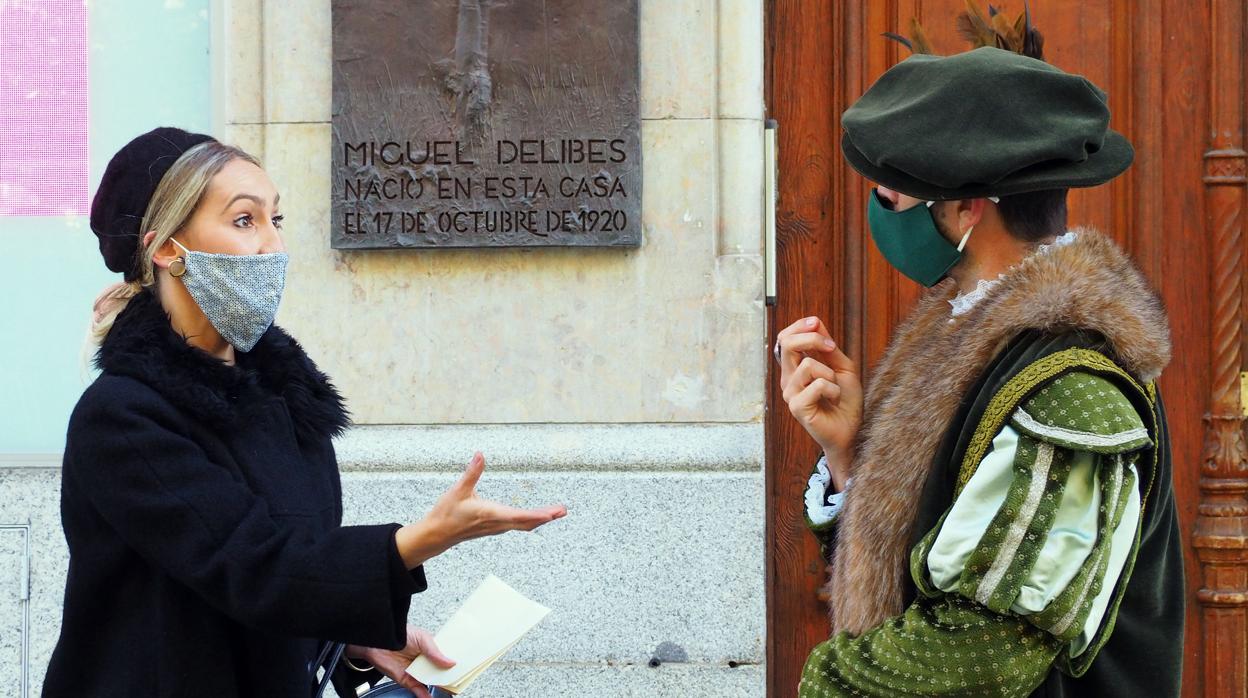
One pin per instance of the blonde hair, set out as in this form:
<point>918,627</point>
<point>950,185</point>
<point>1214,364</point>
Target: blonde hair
<point>175,200</point>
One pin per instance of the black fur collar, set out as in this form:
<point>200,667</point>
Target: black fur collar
<point>143,345</point>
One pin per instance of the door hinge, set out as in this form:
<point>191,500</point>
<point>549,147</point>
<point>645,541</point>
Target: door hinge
<point>771,166</point>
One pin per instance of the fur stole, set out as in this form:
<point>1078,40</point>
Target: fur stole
<point>143,345</point>
<point>928,367</point>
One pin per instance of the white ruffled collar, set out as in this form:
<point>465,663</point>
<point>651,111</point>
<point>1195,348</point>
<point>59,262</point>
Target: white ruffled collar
<point>963,302</point>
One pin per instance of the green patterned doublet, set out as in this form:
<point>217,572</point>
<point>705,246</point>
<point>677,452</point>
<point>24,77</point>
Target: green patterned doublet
<point>1024,571</point>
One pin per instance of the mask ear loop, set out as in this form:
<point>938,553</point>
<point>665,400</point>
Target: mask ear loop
<point>967,235</point>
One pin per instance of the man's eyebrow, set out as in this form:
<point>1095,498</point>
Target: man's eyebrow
<point>259,201</point>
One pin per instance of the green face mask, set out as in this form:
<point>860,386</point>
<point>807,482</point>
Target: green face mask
<point>910,241</point>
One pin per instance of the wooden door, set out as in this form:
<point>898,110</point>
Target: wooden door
<point>1175,76</point>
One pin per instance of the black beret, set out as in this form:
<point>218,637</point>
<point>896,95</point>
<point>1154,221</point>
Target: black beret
<point>126,188</point>
<point>987,122</point>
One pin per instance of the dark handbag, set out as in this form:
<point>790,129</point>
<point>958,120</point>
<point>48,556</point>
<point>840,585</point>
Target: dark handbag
<point>331,656</point>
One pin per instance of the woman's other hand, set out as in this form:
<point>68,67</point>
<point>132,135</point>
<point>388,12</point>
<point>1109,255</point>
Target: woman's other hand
<point>394,663</point>
<point>460,515</point>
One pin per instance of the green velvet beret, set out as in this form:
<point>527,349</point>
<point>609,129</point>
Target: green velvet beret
<point>987,122</point>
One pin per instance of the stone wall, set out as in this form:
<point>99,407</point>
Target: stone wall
<point>670,332</point>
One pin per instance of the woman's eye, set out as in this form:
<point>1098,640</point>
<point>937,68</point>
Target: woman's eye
<point>243,221</point>
<point>277,221</point>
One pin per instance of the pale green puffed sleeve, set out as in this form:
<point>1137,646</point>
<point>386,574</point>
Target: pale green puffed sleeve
<point>1047,522</point>
<point>1039,531</point>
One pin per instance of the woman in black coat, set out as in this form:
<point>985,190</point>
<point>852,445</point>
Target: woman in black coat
<point>200,493</point>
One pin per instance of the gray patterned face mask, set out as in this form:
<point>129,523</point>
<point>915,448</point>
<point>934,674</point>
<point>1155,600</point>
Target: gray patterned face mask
<point>238,293</point>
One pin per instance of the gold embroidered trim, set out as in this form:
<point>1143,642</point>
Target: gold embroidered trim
<point>1009,396</point>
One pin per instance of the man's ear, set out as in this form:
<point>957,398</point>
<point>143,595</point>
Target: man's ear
<point>970,212</point>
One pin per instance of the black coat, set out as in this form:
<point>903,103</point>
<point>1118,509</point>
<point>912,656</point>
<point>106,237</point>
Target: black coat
<point>202,507</point>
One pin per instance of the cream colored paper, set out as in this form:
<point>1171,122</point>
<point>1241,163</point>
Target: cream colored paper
<point>491,621</point>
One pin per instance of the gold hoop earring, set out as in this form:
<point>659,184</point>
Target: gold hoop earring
<point>177,267</point>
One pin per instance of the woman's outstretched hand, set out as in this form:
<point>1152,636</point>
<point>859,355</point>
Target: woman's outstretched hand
<point>394,663</point>
<point>460,515</point>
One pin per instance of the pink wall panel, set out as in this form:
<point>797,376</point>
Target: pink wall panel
<point>43,107</point>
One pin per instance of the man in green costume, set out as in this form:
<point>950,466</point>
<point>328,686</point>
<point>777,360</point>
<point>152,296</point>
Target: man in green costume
<point>997,508</point>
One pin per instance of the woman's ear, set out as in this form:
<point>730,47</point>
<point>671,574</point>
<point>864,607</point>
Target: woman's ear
<point>164,255</point>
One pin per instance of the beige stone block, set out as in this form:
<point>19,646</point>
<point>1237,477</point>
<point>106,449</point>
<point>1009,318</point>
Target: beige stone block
<point>298,61</point>
<point>297,158</point>
<point>664,332</point>
<point>249,137</point>
<point>241,61</point>
<point>677,59</point>
<point>740,186</point>
<point>741,59</point>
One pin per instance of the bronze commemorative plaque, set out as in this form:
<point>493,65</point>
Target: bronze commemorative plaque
<point>485,123</point>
